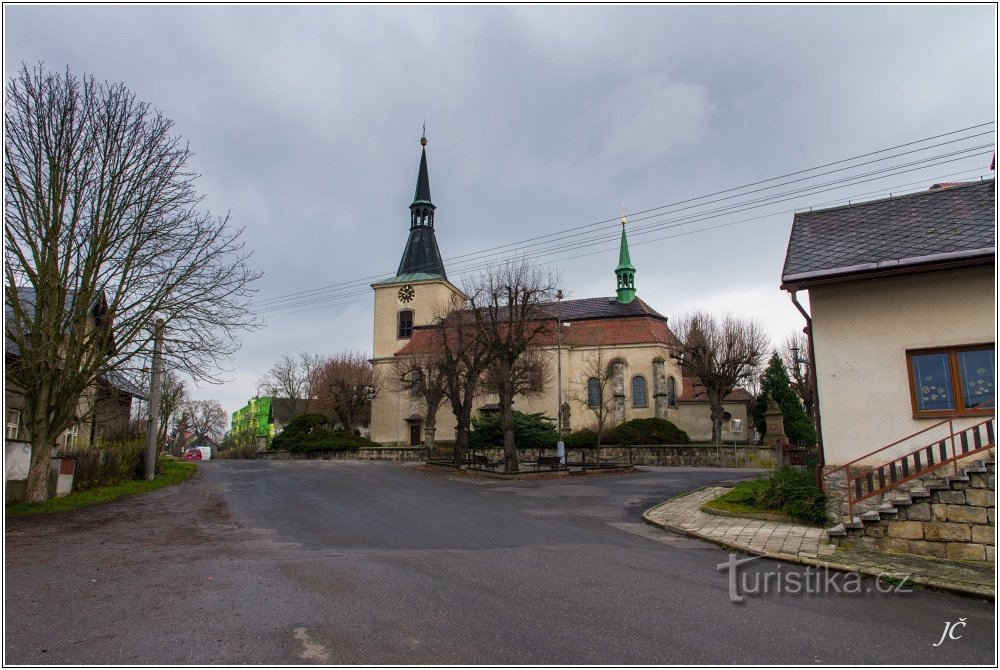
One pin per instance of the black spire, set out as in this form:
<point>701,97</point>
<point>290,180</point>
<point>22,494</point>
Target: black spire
<point>421,253</point>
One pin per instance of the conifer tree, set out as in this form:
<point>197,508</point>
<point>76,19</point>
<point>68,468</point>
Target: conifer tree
<point>775,381</point>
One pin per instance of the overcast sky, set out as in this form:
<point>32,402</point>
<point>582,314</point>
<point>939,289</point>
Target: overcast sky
<point>305,122</point>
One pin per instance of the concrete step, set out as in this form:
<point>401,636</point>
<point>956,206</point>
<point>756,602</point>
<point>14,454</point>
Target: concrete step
<point>887,510</point>
<point>919,493</point>
<point>837,531</point>
<point>903,500</point>
<point>870,516</point>
<point>854,523</point>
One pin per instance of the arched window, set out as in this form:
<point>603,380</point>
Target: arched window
<point>405,329</point>
<point>639,396</point>
<point>416,383</point>
<point>671,392</point>
<point>593,392</point>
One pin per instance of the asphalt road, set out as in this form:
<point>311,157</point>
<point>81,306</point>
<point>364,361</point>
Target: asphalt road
<point>348,562</point>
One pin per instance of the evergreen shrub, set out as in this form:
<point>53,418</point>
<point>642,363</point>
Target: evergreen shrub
<point>531,431</point>
<point>649,431</point>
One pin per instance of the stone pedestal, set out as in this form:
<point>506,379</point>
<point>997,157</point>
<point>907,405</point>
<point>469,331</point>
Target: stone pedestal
<point>774,431</point>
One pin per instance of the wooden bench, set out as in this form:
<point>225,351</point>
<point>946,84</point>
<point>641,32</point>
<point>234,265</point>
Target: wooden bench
<point>483,462</point>
<point>549,462</point>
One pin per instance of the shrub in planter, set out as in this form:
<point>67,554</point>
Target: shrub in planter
<point>531,431</point>
<point>581,439</point>
<point>649,431</point>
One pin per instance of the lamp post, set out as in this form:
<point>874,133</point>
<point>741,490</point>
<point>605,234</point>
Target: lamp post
<point>560,447</point>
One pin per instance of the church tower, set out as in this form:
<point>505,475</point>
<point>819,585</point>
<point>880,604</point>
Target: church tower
<point>415,296</point>
<point>421,255</point>
<point>625,272</point>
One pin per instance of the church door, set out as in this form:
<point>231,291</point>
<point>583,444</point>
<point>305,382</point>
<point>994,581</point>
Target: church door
<point>415,435</point>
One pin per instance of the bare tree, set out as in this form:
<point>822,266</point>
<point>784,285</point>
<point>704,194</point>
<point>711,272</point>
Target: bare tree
<point>463,361</point>
<point>289,383</point>
<point>505,301</point>
<point>722,353</point>
<point>597,393</point>
<point>346,385</point>
<point>795,355</point>
<point>102,237</point>
<point>206,419</point>
<point>173,397</point>
<point>422,376</point>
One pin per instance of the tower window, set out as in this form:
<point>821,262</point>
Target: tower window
<point>639,396</point>
<point>671,392</point>
<point>405,330</point>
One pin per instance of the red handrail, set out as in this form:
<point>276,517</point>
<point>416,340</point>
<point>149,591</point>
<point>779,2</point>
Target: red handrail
<point>972,410</point>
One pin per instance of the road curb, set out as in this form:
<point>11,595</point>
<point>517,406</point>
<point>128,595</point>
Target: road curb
<point>956,588</point>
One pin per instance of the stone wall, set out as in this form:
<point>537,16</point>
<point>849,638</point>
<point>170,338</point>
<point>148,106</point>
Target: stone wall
<point>368,454</point>
<point>953,517</point>
<point>741,456</point>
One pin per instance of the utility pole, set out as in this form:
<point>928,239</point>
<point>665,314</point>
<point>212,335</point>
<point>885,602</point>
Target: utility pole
<point>153,427</point>
<point>560,446</point>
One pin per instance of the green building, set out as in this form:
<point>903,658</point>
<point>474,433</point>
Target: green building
<point>253,421</point>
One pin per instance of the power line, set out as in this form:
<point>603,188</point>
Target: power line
<point>266,303</point>
<point>326,295</point>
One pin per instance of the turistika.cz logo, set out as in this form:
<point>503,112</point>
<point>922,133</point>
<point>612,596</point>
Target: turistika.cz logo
<point>812,581</point>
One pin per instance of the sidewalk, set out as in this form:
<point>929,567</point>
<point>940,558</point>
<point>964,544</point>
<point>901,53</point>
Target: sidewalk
<point>810,546</point>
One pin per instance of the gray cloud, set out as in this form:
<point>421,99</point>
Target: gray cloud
<point>305,123</point>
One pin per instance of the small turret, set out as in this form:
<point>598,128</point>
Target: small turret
<point>625,272</point>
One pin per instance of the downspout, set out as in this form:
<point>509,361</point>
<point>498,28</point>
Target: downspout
<point>821,462</point>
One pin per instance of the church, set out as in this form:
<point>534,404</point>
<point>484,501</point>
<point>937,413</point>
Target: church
<point>630,339</point>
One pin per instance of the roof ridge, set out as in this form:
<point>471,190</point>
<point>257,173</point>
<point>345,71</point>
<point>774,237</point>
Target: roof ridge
<point>928,191</point>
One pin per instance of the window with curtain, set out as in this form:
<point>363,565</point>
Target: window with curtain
<point>951,380</point>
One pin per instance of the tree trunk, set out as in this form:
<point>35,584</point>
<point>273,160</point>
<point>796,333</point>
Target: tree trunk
<point>38,472</point>
<point>511,463</point>
<point>717,411</point>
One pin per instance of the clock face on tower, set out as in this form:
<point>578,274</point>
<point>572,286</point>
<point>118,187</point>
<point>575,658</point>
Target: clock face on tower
<point>406,293</point>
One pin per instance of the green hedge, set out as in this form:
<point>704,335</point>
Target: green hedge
<point>649,431</point>
<point>310,432</point>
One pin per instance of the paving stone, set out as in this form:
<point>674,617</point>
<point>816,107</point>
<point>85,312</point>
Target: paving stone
<point>953,532</point>
<point>925,548</point>
<point>981,498</point>
<point>966,552</point>
<point>984,534</point>
<point>950,497</point>
<point>910,530</point>
<point>966,514</point>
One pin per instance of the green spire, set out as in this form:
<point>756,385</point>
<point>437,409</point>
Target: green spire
<point>625,272</point>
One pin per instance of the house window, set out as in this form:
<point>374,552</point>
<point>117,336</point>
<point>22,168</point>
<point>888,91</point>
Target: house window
<point>13,423</point>
<point>639,395</point>
<point>946,381</point>
<point>69,437</point>
<point>671,392</point>
<point>593,392</point>
<point>405,324</point>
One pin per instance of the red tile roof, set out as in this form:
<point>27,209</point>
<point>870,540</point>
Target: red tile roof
<point>693,392</point>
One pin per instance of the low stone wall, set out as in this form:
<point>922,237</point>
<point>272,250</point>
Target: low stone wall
<point>397,454</point>
<point>952,518</point>
<point>692,456</point>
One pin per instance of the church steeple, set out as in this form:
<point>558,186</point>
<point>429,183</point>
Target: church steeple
<point>625,272</point>
<point>421,254</point>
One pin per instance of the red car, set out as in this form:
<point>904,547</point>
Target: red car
<point>192,454</point>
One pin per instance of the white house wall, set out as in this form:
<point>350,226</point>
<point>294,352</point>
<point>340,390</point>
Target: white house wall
<point>862,331</point>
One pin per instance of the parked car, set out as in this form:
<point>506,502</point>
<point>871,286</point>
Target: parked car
<point>192,454</point>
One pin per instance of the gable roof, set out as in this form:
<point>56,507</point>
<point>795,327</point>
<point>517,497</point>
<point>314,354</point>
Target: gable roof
<point>599,308</point>
<point>942,227</point>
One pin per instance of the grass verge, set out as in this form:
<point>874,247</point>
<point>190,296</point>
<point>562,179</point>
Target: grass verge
<point>172,472</point>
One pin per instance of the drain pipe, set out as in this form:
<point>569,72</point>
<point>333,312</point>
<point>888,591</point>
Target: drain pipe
<point>821,462</point>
